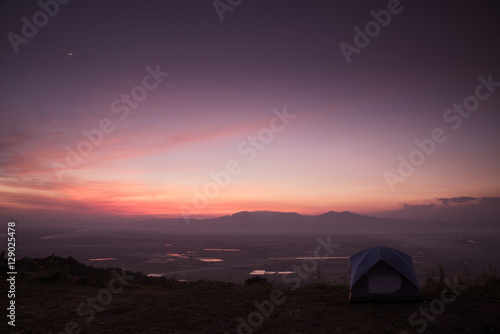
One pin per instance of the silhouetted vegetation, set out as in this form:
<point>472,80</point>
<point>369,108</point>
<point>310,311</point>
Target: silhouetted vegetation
<point>256,280</point>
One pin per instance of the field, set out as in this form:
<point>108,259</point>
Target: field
<point>232,258</point>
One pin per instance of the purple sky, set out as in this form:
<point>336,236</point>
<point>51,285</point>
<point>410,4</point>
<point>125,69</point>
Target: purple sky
<point>327,134</point>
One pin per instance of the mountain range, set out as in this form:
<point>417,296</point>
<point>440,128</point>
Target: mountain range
<point>290,222</point>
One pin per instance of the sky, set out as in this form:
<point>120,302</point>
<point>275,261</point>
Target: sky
<point>133,109</point>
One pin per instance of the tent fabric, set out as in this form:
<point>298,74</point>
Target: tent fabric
<point>383,273</point>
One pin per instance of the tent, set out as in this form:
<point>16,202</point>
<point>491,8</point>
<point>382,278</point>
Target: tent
<point>383,274</point>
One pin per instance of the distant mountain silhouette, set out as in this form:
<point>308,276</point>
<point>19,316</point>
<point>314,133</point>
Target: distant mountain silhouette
<point>288,222</point>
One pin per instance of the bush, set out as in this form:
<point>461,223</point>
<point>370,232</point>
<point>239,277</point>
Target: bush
<point>489,281</point>
<point>257,280</point>
<point>58,275</point>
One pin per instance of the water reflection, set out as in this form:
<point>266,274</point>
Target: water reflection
<point>164,275</point>
<point>265,272</point>
<point>154,275</point>
<point>209,259</point>
<point>175,255</point>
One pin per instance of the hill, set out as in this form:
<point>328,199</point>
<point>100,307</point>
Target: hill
<point>56,295</point>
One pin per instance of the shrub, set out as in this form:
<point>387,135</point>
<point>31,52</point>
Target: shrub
<point>257,280</point>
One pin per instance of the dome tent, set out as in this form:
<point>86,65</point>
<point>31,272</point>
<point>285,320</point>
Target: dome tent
<point>383,274</point>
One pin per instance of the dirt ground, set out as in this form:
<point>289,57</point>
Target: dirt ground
<point>217,307</point>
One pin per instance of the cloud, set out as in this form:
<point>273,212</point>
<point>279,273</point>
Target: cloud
<point>465,209</point>
<point>41,202</point>
<point>463,199</point>
<point>32,138</point>
<point>490,201</point>
<point>407,206</point>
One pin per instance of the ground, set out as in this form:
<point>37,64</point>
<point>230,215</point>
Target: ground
<point>50,302</point>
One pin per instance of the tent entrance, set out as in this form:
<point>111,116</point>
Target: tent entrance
<point>384,283</point>
<point>382,278</point>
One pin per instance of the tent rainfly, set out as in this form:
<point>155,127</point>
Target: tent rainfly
<point>383,274</point>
